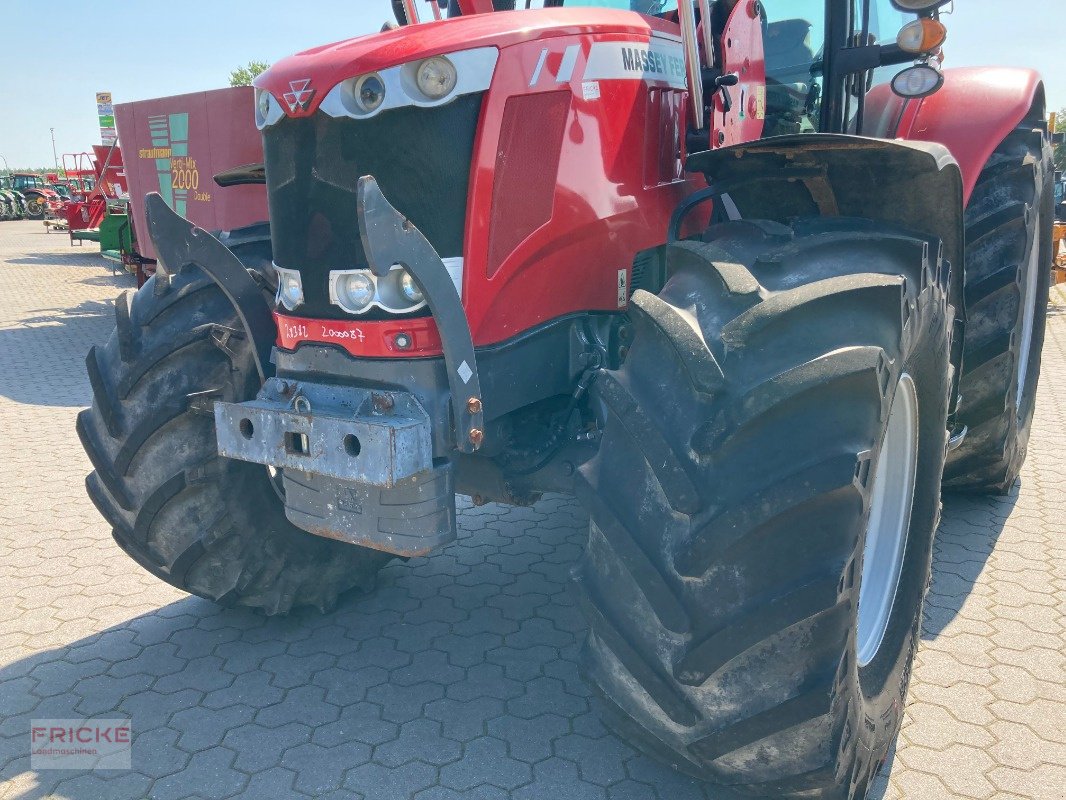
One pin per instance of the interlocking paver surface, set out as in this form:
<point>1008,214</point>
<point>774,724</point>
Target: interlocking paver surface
<point>458,678</point>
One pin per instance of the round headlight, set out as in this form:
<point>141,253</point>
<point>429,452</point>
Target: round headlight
<point>436,77</point>
<point>355,292</point>
<point>917,81</point>
<point>290,290</point>
<point>369,92</point>
<point>264,104</point>
<point>410,288</point>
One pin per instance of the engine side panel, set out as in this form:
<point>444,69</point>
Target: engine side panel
<point>608,184</point>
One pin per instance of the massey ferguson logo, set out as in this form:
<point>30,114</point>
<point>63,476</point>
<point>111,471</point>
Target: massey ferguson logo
<point>300,96</point>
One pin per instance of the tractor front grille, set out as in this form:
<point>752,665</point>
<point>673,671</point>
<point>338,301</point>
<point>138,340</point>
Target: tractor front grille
<point>420,158</point>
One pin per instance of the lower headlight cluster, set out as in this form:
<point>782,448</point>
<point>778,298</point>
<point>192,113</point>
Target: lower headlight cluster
<point>358,290</point>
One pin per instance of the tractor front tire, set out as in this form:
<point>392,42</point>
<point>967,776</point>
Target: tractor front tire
<point>211,526</point>
<point>731,495</point>
<point>1008,276</point>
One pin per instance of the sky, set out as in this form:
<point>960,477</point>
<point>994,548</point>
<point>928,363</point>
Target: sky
<point>58,54</point>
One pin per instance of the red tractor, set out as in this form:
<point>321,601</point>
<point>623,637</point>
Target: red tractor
<point>41,199</point>
<point>751,279</point>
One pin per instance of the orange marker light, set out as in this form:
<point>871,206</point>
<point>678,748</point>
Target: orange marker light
<point>922,36</point>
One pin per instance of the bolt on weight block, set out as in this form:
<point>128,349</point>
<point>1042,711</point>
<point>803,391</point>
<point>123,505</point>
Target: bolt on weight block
<point>408,519</point>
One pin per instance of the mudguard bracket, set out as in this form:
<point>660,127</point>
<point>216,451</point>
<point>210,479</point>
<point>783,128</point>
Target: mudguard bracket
<point>390,238</point>
<point>178,242</point>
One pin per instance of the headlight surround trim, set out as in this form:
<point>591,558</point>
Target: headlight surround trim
<point>388,293</point>
<point>474,72</point>
<point>287,278</point>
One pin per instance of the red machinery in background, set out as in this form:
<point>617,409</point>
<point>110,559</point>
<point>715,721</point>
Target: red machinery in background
<point>96,178</point>
<point>79,174</point>
<point>176,146</point>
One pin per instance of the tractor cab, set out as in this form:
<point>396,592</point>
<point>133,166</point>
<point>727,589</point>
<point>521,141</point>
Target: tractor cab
<point>27,180</point>
<point>806,46</point>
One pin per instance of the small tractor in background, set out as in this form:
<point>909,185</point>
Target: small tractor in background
<point>12,201</point>
<point>752,279</point>
<point>59,185</point>
<point>42,201</point>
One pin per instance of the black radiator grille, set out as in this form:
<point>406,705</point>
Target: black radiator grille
<point>420,158</point>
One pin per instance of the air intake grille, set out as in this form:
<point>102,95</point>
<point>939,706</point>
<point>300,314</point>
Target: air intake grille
<point>527,164</point>
<point>420,158</point>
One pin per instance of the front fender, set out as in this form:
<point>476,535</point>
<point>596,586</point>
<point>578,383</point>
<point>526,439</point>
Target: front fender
<point>915,185</point>
<point>971,114</point>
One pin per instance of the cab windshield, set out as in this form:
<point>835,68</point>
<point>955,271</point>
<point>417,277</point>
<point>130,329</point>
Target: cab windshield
<point>28,181</point>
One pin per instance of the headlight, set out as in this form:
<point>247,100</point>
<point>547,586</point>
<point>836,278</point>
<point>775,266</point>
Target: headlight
<point>369,92</point>
<point>920,80</point>
<point>436,77</point>
<point>264,104</point>
<point>290,288</point>
<point>357,290</point>
<point>354,292</point>
<point>410,288</point>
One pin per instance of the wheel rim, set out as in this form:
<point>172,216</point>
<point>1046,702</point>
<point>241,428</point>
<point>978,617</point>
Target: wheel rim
<point>1028,301</point>
<point>891,499</point>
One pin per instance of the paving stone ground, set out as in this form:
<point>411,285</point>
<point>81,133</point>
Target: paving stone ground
<point>458,678</point>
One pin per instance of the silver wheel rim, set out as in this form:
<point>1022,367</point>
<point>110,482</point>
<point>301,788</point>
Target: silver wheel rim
<point>891,499</point>
<point>1028,301</point>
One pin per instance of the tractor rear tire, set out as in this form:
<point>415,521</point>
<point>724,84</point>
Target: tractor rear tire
<point>35,207</point>
<point>211,526</point>
<point>730,497</point>
<point>1008,275</point>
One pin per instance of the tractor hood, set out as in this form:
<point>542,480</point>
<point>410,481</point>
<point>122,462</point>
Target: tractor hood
<point>308,77</point>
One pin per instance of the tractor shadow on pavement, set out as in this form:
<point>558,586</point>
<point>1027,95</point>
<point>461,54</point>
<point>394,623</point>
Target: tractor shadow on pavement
<point>970,526</point>
<point>45,348</point>
<point>85,258</point>
<point>460,671</point>
<point>458,677</point>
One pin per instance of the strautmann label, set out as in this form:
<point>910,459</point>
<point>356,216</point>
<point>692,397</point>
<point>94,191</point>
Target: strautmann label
<point>179,175</point>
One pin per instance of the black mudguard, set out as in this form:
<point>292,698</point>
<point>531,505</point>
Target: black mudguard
<point>916,185</point>
<point>178,242</point>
